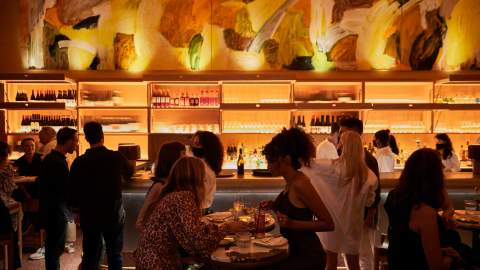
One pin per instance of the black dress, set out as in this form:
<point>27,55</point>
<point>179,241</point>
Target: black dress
<point>405,249</point>
<point>306,251</point>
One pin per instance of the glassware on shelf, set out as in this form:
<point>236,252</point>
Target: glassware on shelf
<point>165,127</point>
<point>105,98</point>
<point>127,123</point>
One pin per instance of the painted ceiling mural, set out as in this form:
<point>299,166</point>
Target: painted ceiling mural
<point>321,35</point>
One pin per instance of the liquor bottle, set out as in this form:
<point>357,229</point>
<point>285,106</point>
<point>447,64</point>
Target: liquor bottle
<point>182,100</point>
<point>191,100</point>
<point>32,96</point>
<point>240,163</point>
<point>312,124</point>
<point>322,125</point>
<point>463,154</point>
<point>299,121</point>
<point>167,99</point>
<point>317,125</point>
<point>303,122</point>
<point>328,125</point>
<point>196,101</point>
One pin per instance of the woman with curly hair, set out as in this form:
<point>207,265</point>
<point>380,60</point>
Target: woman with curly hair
<point>207,146</point>
<point>300,211</point>
<point>347,186</point>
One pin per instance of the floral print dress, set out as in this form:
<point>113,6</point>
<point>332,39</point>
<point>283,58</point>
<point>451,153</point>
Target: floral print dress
<point>175,223</point>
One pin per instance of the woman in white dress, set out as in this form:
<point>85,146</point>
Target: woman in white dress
<point>347,186</point>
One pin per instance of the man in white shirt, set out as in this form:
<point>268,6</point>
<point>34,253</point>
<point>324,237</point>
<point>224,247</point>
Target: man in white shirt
<point>327,149</point>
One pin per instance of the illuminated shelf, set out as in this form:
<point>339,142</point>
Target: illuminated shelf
<point>334,106</point>
<point>256,106</point>
<point>35,106</point>
<point>122,133</point>
<point>185,108</point>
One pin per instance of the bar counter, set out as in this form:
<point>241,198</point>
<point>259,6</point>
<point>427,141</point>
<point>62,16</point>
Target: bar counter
<point>253,189</point>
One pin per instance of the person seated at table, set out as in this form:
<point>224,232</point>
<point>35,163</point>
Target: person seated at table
<point>169,153</point>
<point>418,236</point>
<point>449,157</point>
<point>387,148</point>
<point>347,186</point>
<point>174,221</point>
<point>9,191</point>
<point>29,164</point>
<point>208,147</point>
<point>48,141</point>
<point>300,211</point>
<point>7,230</point>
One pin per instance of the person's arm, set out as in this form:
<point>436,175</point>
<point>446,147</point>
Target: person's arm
<point>424,222</point>
<point>73,185</point>
<point>372,188</point>
<point>312,201</point>
<point>190,232</point>
<point>126,170</point>
<point>454,163</point>
<point>152,196</point>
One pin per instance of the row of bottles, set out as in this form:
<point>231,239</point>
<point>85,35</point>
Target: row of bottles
<point>318,124</point>
<point>161,98</point>
<point>67,96</point>
<point>241,158</point>
<point>34,122</point>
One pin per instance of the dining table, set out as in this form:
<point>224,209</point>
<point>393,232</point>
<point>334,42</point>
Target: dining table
<point>255,251</point>
<point>469,220</point>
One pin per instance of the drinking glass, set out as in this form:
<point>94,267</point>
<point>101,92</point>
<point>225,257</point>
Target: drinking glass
<point>470,207</point>
<point>243,239</point>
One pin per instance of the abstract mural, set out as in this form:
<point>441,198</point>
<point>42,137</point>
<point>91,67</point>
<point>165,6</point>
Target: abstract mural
<point>320,35</point>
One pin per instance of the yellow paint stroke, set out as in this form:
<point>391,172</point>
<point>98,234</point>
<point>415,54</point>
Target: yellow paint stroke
<point>463,35</point>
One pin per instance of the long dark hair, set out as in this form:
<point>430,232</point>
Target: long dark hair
<point>4,151</point>
<point>386,139</point>
<point>422,181</point>
<point>168,154</point>
<point>293,142</point>
<point>213,149</point>
<point>448,150</point>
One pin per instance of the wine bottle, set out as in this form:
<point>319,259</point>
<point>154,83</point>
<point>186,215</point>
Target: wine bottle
<point>167,99</point>
<point>240,163</point>
<point>322,124</point>
<point>312,124</point>
<point>328,125</point>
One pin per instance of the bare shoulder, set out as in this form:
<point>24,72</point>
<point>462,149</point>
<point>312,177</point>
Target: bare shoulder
<point>301,182</point>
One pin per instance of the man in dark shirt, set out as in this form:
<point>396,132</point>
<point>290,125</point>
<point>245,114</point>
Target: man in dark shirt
<point>367,245</point>
<point>53,181</point>
<point>96,190</point>
<point>29,164</point>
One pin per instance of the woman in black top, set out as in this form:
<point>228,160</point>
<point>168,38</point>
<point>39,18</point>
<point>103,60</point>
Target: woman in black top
<point>417,235</point>
<point>299,203</point>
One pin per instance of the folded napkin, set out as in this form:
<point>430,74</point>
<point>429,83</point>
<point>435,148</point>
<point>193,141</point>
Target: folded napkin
<point>271,241</point>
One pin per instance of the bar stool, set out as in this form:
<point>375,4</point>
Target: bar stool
<point>6,242</point>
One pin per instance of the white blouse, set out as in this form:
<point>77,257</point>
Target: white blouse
<point>210,186</point>
<point>452,164</point>
<point>386,159</point>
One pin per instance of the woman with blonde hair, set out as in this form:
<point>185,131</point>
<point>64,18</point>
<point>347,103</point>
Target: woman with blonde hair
<point>347,186</point>
<point>173,220</point>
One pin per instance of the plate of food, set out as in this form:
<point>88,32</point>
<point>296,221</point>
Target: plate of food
<point>218,217</point>
<point>271,241</point>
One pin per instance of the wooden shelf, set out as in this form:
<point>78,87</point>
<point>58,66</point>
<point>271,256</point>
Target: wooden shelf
<point>121,133</point>
<point>333,106</point>
<point>112,107</point>
<point>34,106</point>
<point>257,106</point>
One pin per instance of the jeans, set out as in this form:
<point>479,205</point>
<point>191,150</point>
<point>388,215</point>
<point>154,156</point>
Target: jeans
<point>55,242</point>
<point>93,245</point>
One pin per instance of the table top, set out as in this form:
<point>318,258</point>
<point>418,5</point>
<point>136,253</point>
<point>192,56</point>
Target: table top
<point>23,179</point>
<point>467,220</point>
<point>260,252</point>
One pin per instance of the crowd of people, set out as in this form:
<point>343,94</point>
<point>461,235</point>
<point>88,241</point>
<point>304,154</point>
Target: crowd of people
<point>328,207</point>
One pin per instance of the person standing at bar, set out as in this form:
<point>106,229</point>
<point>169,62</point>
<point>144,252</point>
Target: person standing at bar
<point>449,157</point>
<point>52,182</point>
<point>371,212</point>
<point>208,147</point>
<point>47,141</point>
<point>300,210</point>
<point>327,149</point>
<point>386,150</point>
<point>95,188</point>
